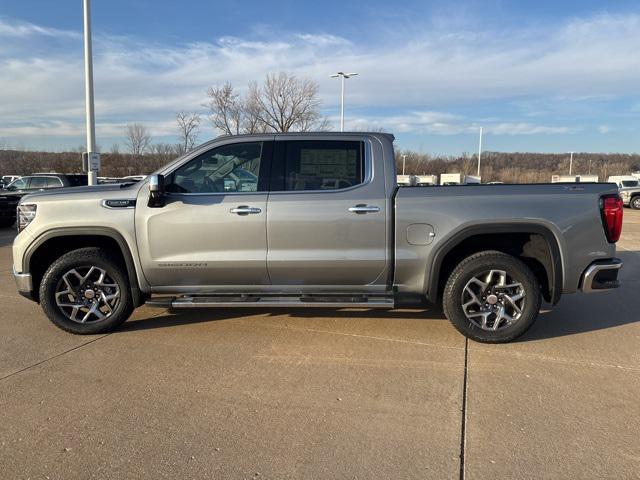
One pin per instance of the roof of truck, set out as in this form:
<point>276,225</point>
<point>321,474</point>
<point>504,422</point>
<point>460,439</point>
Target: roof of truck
<point>390,136</point>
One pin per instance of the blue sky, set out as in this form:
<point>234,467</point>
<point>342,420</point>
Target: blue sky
<point>549,76</point>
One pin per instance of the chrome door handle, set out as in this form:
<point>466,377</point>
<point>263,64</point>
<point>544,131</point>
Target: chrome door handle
<point>364,209</point>
<point>245,210</point>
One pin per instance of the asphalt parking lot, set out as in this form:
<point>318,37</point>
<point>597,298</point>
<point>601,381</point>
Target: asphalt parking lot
<point>323,393</point>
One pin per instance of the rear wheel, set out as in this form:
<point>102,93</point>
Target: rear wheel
<point>86,291</point>
<point>635,203</point>
<point>492,297</point>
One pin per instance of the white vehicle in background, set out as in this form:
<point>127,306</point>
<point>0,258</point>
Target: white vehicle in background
<point>574,178</point>
<point>427,180</point>
<point>459,179</point>
<point>404,180</point>
<point>7,179</point>
<point>629,188</point>
<point>417,180</point>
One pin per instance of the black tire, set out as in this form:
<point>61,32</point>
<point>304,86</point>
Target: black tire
<point>7,222</point>
<point>81,260</point>
<point>635,203</point>
<point>477,265</point>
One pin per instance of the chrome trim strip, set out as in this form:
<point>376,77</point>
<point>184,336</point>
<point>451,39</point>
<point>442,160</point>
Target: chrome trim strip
<point>277,302</point>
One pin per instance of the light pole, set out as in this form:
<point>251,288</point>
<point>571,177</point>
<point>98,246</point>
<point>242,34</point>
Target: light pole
<point>404,161</point>
<point>342,76</point>
<point>479,151</point>
<point>88,80</point>
<point>570,162</point>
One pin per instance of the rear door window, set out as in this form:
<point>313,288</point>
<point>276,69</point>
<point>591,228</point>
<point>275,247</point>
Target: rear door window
<point>321,165</point>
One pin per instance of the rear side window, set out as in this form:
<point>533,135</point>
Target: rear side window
<point>53,182</point>
<point>322,165</point>
<point>38,182</point>
<point>629,183</point>
<point>77,180</point>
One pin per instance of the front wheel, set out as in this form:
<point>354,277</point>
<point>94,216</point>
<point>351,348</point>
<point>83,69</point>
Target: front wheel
<point>86,291</point>
<point>492,297</point>
<point>635,203</point>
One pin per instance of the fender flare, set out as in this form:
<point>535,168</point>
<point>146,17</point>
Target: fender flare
<point>554,270</point>
<point>136,292</point>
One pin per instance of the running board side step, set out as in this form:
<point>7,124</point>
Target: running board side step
<point>272,301</point>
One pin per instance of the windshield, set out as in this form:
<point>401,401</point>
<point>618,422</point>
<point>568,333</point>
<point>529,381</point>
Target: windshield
<point>19,184</point>
<point>629,183</point>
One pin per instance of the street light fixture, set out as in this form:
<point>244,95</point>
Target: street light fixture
<point>570,162</point>
<point>342,76</point>
<point>479,151</point>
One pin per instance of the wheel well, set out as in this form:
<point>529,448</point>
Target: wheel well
<point>532,248</point>
<point>53,248</point>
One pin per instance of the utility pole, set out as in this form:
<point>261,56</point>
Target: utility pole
<point>570,162</point>
<point>93,160</point>
<point>404,162</point>
<point>479,151</point>
<point>342,76</point>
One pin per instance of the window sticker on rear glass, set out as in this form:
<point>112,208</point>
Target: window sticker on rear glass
<point>328,162</point>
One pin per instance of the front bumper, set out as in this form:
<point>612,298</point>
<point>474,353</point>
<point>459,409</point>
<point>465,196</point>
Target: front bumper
<point>601,275</point>
<point>24,282</point>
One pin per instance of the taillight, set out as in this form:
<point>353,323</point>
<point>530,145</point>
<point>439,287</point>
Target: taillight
<point>611,208</point>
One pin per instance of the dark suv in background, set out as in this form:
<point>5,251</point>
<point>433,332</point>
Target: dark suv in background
<point>12,193</point>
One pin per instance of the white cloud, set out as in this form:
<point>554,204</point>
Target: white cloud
<point>604,129</point>
<point>442,123</point>
<point>15,28</point>
<point>416,80</point>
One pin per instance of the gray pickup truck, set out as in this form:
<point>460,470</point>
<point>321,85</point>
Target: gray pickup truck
<point>312,220</point>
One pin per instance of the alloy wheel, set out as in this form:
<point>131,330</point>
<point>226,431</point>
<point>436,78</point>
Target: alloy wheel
<point>493,300</point>
<point>87,294</point>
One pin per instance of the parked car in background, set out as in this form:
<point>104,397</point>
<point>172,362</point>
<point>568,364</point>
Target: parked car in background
<point>629,188</point>
<point>133,178</point>
<point>324,225</point>
<point>38,182</point>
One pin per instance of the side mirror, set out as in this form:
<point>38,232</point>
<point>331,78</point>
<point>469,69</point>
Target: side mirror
<point>156,191</point>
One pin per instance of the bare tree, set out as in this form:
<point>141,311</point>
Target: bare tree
<point>188,130</point>
<point>226,109</point>
<point>287,103</point>
<point>283,103</point>
<point>137,138</point>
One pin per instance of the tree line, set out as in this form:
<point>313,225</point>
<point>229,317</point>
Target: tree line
<point>495,166</point>
<point>519,167</point>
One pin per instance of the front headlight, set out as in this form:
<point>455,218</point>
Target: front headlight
<point>26,214</point>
